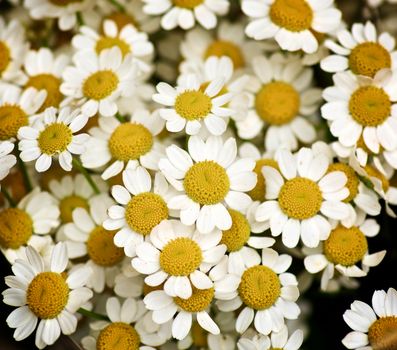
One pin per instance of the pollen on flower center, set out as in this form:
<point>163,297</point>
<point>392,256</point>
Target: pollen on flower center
<point>277,103</point>
<point>300,198</point>
<point>118,336</point>
<point>369,106</point>
<point>259,287</point>
<point>258,193</point>
<point>352,179</point>
<point>221,48</point>
<point>206,183</point>
<point>47,295</point>
<point>368,58</point>
<point>345,246</point>
<point>145,211</point>
<point>235,237</point>
<point>12,117</point>
<point>100,85</point>
<point>55,138</point>
<point>193,105</point>
<point>122,19</point>
<point>16,227</point>
<point>180,257</point>
<point>382,334</point>
<point>108,42</point>
<point>5,57</point>
<point>199,301</point>
<point>64,2</point>
<point>130,141</point>
<point>101,249</point>
<point>187,4</point>
<point>70,203</point>
<point>51,84</point>
<point>293,15</point>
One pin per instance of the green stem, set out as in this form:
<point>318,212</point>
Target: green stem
<point>115,3</point>
<point>86,174</point>
<point>26,179</point>
<point>7,195</point>
<point>80,19</point>
<point>120,118</point>
<point>92,314</point>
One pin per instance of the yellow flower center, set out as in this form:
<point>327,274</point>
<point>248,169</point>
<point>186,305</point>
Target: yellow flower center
<point>235,237</point>
<point>368,58</point>
<point>221,48</point>
<point>118,336</point>
<point>373,172</point>
<point>180,257</point>
<point>130,141</point>
<point>12,117</point>
<point>122,19</point>
<point>293,15</point>
<point>5,57</point>
<point>300,198</point>
<point>193,105</point>
<point>107,43</point>
<point>277,103</point>
<point>259,287</point>
<point>199,335</point>
<point>145,211</point>
<point>206,183</point>
<point>16,227</point>
<point>101,249</point>
<point>51,84</point>
<point>345,246</point>
<point>100,85</point>
<point>352,179</point>
<point>55,138</point>
<point>70,203</point>
<point>47,295</point>
<point>369,106</point>
<point>187,4</point>
<point>382,335</point>
<point>258,193</point>
<point>64,2</point>
<point>199,301</point>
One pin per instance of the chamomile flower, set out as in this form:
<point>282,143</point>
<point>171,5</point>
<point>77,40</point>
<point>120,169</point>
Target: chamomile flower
<point>209,180</point>
<point>291,23</point>
<point>54,136</point>
<point>301,196</point>
<point>125,145</point>
<point>179,257</point>
<point>264,291</point>
<point>44,296</point>
<point>190,105</point>
<point>361,51</point>
<point>184,13</point>
<point>7,160</point>
<point>373,327</point>
<point>283,99</point>
<point>97,81</point>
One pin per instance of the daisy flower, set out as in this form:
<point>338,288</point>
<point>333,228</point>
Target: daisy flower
<point>44,296</point>
<point>373,327</point>
<point>97,81</point>
<point>283,100</point>
<point>53,137</point>
<point>184,13</point>
<point>190,105</point>
<point>264,291</point>
<point>7,160</point>
<point>291,23</point>
<point>301,196</point>
<point>179,257</point>
<point>124,145</point>
<point>209,180</point>
<point>362,51</point>
<point>142,205</point>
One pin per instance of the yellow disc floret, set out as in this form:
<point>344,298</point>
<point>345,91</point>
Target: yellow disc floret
<point>70,203</point>
<point>108,42</point>
<point>258,193</point>
<point>12,117</point>
<point>206,183</point>
<point>100,85</point>
<point>49,83</point>
<point>259,287</point>
<point>145,211</point>
<point>47,295</point>
<point>5,57</point>
<point>345,246</point>
<point>187,4</point>
<point>373,172</point>
<point>235,237</point>
<point>293,15</point>
<point>221,48</point>
<point>352,179</point>
<point>118,336</point>
<point>199,301</point>
<point>16,227</point>
<point>300,198</point>
<point>180,257</point>
<point>277,103</point>
<point>382,335</point>
<point>55,138</point>
<point>193,105</point>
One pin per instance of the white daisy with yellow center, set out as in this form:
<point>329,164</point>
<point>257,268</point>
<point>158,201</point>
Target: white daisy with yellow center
<point>54,136</point>
<point>179,257</point>
<point>142,205</point>
<point>291,22</point>
<point>264,291</point>
<point>184,13</point>
<point>209,180</point>
<point>302,196</point>
<point>46,296</point>
<point>96,82</point>
<point>373,327</point>
<point>283,100</point>
<point>190,106</point>
<point>125,145</point>
<point>7,160</point>
<point>361,51</point>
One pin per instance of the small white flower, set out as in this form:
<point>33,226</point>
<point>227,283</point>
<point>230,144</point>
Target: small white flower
<point>7,160</point>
